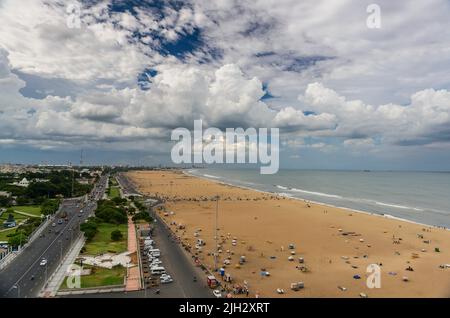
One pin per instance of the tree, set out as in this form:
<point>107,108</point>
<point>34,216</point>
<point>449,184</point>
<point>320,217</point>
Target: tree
<point>5,201</point>
<point>17,240</point>
<point>116,235</point>
<point>90,228</point>
<point>49,207</point>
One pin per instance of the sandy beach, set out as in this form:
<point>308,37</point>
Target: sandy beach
<point>335,244</point>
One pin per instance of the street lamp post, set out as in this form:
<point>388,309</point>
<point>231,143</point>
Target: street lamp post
<point>216,232</point>
<point>60,257</point>
<point>46,272</point>
<point>18,290</point>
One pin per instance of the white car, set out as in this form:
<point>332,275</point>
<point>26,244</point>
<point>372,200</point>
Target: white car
<point>43,262</point>
<point>165,279</point>
<point>217,293</point>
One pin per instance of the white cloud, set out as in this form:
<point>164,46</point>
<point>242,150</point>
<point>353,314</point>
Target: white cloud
<point>364,88</point>
<point>425,119</point>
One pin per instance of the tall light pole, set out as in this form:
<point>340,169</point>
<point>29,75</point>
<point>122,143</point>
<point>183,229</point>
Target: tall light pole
<point>18,290</point>
<point>216,232</point>
<point>73,179</point>
<point>60,257</point>
<point>46,272</point>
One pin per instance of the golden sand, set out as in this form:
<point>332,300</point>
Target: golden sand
<point>336,244</point>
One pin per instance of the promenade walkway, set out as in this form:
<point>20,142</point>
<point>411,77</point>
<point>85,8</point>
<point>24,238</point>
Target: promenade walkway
<point>133,275</point>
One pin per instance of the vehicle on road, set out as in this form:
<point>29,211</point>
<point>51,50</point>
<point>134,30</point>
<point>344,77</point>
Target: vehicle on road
<point>157,270</point>
<point>53,224</point>
<point>43,262</point>
<point>155,262</point>
<point>165,279</point>
<point>60,221</point>
<point>217,293</point>
<point>155,254</point>
<point>211,281</point>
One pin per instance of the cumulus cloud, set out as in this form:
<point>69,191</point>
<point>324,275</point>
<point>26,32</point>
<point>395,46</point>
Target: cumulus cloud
<point>311,68</point>
<point>424,120</point>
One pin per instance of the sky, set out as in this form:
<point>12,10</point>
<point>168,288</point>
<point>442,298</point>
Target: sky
<point>344,96</point>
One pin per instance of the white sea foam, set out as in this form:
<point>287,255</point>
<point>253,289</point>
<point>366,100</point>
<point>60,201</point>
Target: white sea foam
<point>317,193</point>
<point>397,206</point>
<point>211,176</point>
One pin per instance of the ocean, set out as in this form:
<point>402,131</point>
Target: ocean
<point>422,197</point>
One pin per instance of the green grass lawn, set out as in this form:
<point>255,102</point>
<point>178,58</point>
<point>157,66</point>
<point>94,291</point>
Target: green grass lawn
<point>101,277</point>
<point>4,234</point>
<point>18,217</point>
<point>101,243</point>
<point>114,192</point>
<point>29,209</point>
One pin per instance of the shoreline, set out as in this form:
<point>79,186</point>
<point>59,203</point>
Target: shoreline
<point>332,245</point>
<point>384,215</point>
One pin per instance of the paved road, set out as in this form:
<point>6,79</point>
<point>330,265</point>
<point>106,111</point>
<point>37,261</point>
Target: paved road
<point>24,277</point>
<point>180,267</point>
<point>176,262</point>
<point>127,186</point>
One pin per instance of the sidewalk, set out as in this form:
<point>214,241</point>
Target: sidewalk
<point>58,276</point>
<point>133,274</point>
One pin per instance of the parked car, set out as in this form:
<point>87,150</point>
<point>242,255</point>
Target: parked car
<point>217,293</point>
<point>165,279</point>
<point>156,262</point>
<point>157,270</point>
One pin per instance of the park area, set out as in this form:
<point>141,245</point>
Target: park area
<point>114,192</point>
<point>99,277</point>
<point>20,214</point>
<point>4,234</point>
<point>102,243</point>
<point>29,210</point>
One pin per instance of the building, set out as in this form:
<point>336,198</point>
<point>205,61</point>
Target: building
<point>5,194</point>
<point>23,183</point>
